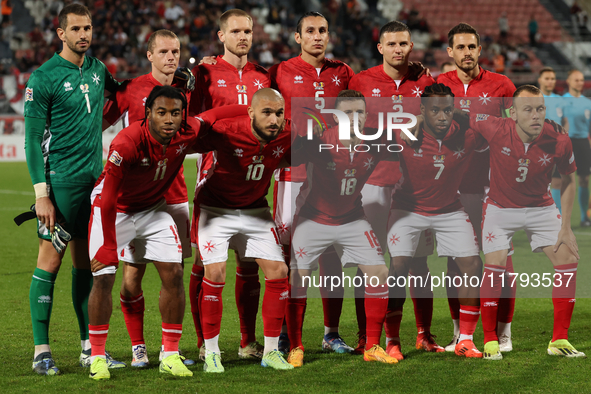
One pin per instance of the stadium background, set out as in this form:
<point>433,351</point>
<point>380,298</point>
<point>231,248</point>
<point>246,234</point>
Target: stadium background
<point>121,29</point>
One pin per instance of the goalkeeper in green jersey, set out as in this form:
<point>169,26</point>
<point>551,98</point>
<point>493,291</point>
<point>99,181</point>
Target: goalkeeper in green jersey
<point>63,124</point>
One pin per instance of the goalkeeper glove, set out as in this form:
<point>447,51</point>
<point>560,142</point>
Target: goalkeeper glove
<point>184,78</point>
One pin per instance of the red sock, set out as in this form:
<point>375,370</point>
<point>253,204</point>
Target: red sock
<point>296,310</point>
<point>98,337</point>
<point>422,299</point>
<point>490,292</point>
<point>452,291</point>
<point>563,298</point>
<point>133,313</point>
<point>468,319</point>
<point>194,290</point>
<point>274,305</point>
<point>392,322</point>
<point>248,290</point>
<point>211,307</point>
<point>332,301</point>
<point>507,301</point>
<point>360,306</point>
<point>376,304</point>
<point>171,335</point>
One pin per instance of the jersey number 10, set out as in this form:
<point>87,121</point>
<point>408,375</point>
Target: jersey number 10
<point>255,172</point>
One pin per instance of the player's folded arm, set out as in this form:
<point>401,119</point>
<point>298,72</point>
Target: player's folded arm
<point>111,84</point>
<point>107,253</point>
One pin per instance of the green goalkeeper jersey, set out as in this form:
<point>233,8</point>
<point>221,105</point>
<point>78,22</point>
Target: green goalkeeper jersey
<point>70,99</point>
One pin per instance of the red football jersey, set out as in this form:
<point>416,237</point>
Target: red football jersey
<point>432,172</point>
<point>332,190</point>
<point>129,103</point>
<point>489,93</point>
<point>297,78</point>
<point>521,173</point>
<point>376,83</point>
<point>242,173</point>
<point>147,172</point>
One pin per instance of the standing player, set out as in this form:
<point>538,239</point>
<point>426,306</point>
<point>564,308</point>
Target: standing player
<point>229,79</point>
<point>477,91</point>
<point>577,109</point>
<point>518,199</point>
<point>547,82</point>
<point>63,118</point>
<point>129,206</point>
<point>426,198</point>
<point>330,214</point>
<point>164,54</point>
<point>394,79</point>
<point>310,74</point>
<point>233,211</point>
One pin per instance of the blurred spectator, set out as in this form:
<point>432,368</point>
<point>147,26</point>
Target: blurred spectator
<point>532,27</point>
<point>6,10</point>
<point>503,28</point>
<point>447,66</point>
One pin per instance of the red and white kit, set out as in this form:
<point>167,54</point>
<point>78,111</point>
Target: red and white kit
<point>129,104</point>
<point>404,96</point>
<point>239,182</point>
<point>297,78</point>
<point>426,196</point>
<point>519,196</point>
<point>329,205</point>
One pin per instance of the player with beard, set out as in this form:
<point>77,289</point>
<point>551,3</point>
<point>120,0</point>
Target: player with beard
<point>233,211</point>
<point>477,90</point>
<point>225,80</point>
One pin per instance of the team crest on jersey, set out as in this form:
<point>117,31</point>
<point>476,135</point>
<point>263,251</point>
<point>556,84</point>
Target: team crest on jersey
<point>238,152</point>
<point>68,86</point>
<point>336,80</point>
<point>319,85</point>
<point>545,160</point>
<point>331,166</point>
<point>221,83</point>
<point>481,117</point>
<point>298,79</point>
<point>376,92</point>
<point>418,152</point>
<point>258,84</point>
<point>417,91</point>
<point>84,88</point>
<point>115,158</point>
<point>459,152</point>
<point>278,151</point>
<point>350,172</point>
<point>506,151</point>
<point>145,162</point>
<point>397,98</point>
<point>524,162</point>
<point>258,159</point>
<point>181,149</point>
<point>29,94</point>
<point>484,99</point>
<point>465,104</point>
<point>438,158</point>
<point>241,88</point>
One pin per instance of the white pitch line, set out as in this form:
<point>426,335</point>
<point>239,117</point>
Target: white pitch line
<point>580,233</point>
<point>17,192</point>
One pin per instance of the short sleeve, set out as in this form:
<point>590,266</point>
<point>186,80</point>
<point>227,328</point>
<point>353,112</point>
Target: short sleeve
<point>37,96</point>
<point>565,164</point>
<point>485,125</point>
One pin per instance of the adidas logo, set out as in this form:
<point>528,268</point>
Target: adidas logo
<point>298,79</point>
<point>44,299</point>
<point>284,295</point>
<point>210,298</point>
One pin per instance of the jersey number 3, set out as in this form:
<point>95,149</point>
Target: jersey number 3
<point>523,172</point>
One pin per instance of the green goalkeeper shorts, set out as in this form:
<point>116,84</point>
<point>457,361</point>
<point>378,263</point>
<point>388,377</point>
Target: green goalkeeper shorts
<point>72,206</point>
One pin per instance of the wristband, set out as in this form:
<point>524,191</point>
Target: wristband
<point>41,190</point>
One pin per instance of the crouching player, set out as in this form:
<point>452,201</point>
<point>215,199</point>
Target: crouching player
<point>523,151</point>
<point>233,211</point>
<point>426,198</point>
<point>329,213</point>
<point>128,205</point>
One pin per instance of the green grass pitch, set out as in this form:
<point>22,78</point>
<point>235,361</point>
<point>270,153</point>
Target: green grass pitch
<point>527,369</point>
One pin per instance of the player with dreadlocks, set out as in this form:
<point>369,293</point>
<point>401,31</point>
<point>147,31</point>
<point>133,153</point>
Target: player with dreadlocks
<point>128,205</point>
<point>426,198</point>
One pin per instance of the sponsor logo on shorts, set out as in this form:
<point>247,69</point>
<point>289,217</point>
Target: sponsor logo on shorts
<point>44,299</point>
<point>115,158</point>
<point>481,117</point>
<point>283,228</point>
<point>490,237</point>
<point>301,252</point>
<point>208,247</point>
<point>394,239</point>
<point>29,94</point>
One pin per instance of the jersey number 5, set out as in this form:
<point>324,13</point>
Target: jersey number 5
<point>255,172</point>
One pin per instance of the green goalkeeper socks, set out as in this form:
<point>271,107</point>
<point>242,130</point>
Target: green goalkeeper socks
<point>41,301</point>
<point>81,286</point>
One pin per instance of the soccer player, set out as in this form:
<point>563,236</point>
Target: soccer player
<point>310,74</point>
<point>547,82</point>
<point>233,212</point>
<point>129,206</point>
<point>224,80</point>
<point>518,199</point>
<point>164,54</point>
<point>426,198</point>
<point>477,91</point>
<point>394,78</point>
<point>330,213</point>
<point>63,118</point>
<point>577,109</point>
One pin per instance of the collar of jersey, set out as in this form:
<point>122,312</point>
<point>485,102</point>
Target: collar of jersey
<point>68,63</point>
